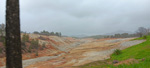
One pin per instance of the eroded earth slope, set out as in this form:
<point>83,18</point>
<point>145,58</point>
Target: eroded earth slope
<point>65,52</point>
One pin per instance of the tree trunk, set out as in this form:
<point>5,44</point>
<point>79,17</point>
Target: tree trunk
<point>13,39</point>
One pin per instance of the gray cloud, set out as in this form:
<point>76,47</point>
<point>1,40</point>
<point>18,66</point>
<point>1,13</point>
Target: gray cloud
<point>74,17</point>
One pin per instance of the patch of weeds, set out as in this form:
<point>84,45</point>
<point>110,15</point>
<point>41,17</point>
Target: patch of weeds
<point>117,52</point>
<point>145,37</point>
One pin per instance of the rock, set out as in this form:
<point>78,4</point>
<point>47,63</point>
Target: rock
<point>115,61</point>
<point>143,59</point>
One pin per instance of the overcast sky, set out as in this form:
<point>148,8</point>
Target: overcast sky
<point>82,17</point>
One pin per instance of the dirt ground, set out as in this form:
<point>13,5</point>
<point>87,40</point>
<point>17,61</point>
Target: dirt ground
<point>77,54</point>
<point>86,53</point>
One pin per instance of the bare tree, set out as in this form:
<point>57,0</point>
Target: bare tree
<point>13,40</point>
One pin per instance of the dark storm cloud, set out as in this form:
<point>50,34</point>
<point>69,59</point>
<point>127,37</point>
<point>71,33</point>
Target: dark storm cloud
<point>75,17</point>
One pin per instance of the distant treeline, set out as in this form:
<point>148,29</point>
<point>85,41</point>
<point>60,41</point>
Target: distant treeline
<point>123,35</point>
<point>141,31</point>
<point>48,33</point>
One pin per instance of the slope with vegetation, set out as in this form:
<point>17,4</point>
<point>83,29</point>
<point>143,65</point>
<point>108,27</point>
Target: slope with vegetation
<point>137,56</point>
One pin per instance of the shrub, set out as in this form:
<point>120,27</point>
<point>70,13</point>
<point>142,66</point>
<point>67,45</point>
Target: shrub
<point>43,45</point>
<point>25,38</point>
<point>30,49</point>
<point>35,44</point>
<point>144,37</point>
<point>1,50</point>
<point>36,53</point>
<point>117,52</point>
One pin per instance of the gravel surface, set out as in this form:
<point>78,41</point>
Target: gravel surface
<point>130,43</point>
<point>35,60</point>
<point>116,40</point>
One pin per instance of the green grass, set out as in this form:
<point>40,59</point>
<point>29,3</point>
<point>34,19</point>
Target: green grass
<point>141,64</point>
<point>140,38</point>
<point>96,64</point>
<point>139,51</point>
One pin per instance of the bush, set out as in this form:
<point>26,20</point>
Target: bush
<point>35,44</point>
<point>145,37</point>
<point>30,49</point>
<point>36,53</point>
<point>1,50</point>
<point>117,52</point>
<point>25,38</point>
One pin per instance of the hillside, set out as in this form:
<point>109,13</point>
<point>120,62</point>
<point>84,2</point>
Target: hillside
<point>93,50</point>
<point>47,46</point>
<point>68,52</point>
<point>137,56</point>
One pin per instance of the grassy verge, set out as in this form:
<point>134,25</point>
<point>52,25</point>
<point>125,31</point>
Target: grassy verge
<point>140,51</point>
<point>140,38</point>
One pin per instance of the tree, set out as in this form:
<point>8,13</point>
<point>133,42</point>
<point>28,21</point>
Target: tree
<point>36,32</point>
<point>125,35</point>
<point>13,39</point>
<point>52,33</point>
<point>117,35</point>
<point>44,32</point>
<point>57,34</point>
<point>2,29</point>
<point>142,31</point>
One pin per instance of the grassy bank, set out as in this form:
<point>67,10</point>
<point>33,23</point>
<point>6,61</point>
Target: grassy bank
<point>138,52</point>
